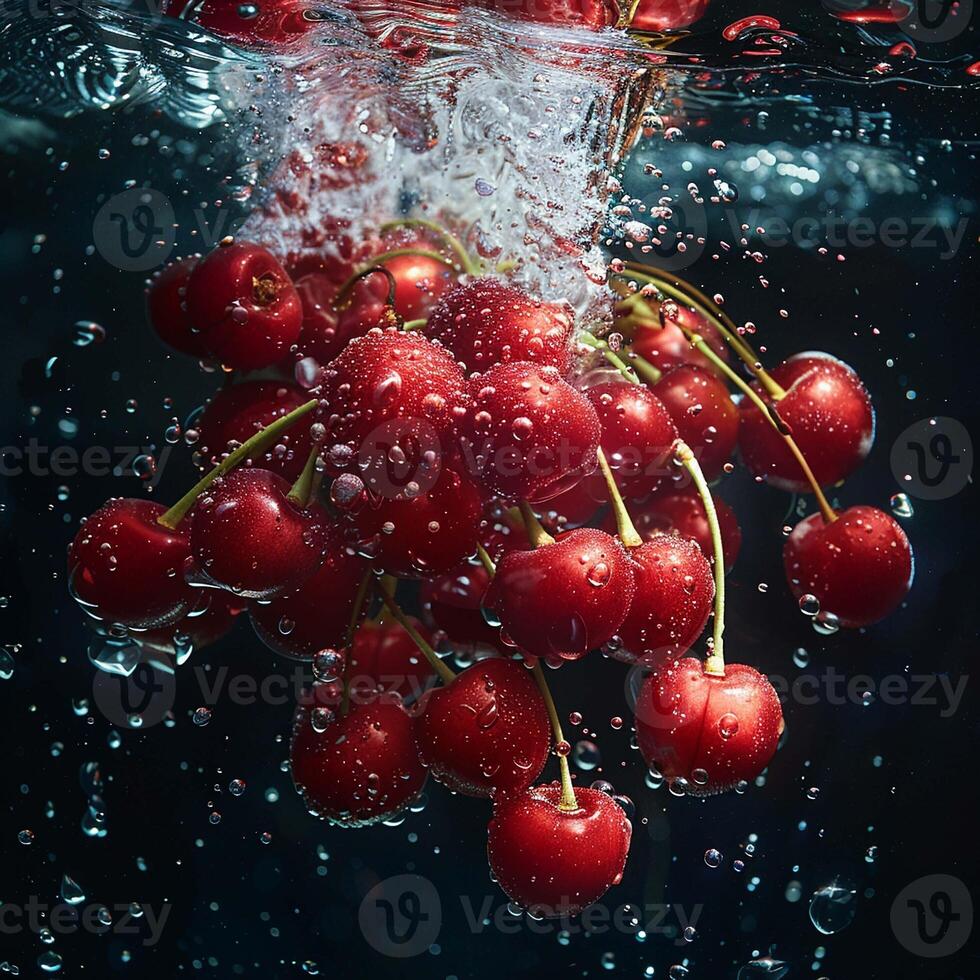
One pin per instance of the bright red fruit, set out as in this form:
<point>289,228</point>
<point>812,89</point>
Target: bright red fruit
<point>528,433</point>
<point>245,306</point>
<point>588,14</point>
<point>425,534</point>
<point>420,281</point>
<point>240,411</point>
<point>266,21</point>
<point>667,15</point>
<point>386,657</point>
<point>455,601</point>
<point>637,436</point>
<point>661,341</point>
<point>167,311</point>
<point>249,538</point>
<point>829,413</point>
<point>487,732</point>
<point>316,613</point>
<point>124,567</point>
<point>198,629</point>
<point>859,567</point>
<point>357,769</point>
<point>674,592</point>
<point>486,322</point>
<point>712,732</point>
<point>556,862</point>
<point>703,411</point>
<point>564,599</point>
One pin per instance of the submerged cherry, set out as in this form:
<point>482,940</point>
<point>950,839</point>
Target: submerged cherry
<point>245,306</point>
<point>267,21</point>
<point>486,732</point>
<point>858,567</point>
<point>710,731</point>
<point>386,658</point>
<point>359,768</point>
<point>166,308</point>
<point>587,14</point>
<point>124,567</point>
<point>564,598</point>
<point>197,630</point>
<point>529,434</point>
<point>454,600</point>
<point>486,322</point>
<point>554,861</point>
<point>830,416</point>
<point>249,537</point>
<point>666,15</point>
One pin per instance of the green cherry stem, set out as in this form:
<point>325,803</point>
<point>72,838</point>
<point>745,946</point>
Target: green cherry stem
<point>568,802</point>
<point>624,525</point>
<point>715,664</point>
<point>466,263</point>
<point>435,661</point>
<point>307,483</point>
<point>486,560</point>
<point>355,616</point>
<point>252,446</point>
<point>610,355</point>
<point>414,324</point>
<point>537,535</point>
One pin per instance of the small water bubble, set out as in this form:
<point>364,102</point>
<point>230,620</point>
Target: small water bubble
<point>87,332</point>
<point>26,837</point>
<point>901,505</point>
<point>809,605</point>
<point>712,858</point>
<point>586,755</point>
<point>236,787</point>
<point>71,891</point>
<point>50,961</point>
<point>202,716</point>
<point>832,908</point>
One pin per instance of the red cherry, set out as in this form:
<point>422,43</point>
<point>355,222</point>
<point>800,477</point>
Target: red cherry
<point>667,15</point>
<point>197,630</point>
<point>529,434</point>
<point>486,322</point>
<point>239,411</point>
<point>576,506</point>
<point>425,534</point>
<point>593,15</point>
<point>674,593</point>
<point>316,614</point>
<point>124,567</point>
<point>563,599</point>
<point>705,415</point>
<point>682,512</point>
<point>395,399</point>
<point>167,312</point>
<point>359,768</point>
<point>556,862</point>
<point>319,337</point>
<point>249,538</point>
<point>266,21</point>
<point>661,341</point>
<point>420,281</point>
<point>829,412</point>
<point>245,306</point>
<point>455,602</point>
<point>859,567</point>
<point>486,733</point>
<point>386,657</point>
<point>637,436</point>
<point>712,732</point>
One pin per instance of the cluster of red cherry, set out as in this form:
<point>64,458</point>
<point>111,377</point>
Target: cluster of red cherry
<point>455,429</point>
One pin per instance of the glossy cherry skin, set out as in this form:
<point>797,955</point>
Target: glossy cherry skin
<point>829,413</point>
<point>591,15</point>
<point>198,629</point>
<point>420,281</point>
<point>315,614</point>
<point>455,600</point>
<point>528,434</point>
<point>659,339</point>
<point>674,593</point>
<point>703,412</point>
<point>681,512</point>
<point>562,600</point>
<point>362,767</point>
<point>860,567</point>
<point>711,732</point>
<point>486,322</point>
<point>637,437</point>
<point>386,658</point>
<point>422,535</point>
<point>392,392</point>
<point>245,306</point>
<point>247,536</point>
<point>124,567</point>
<point>273,22</point>
<point>167,311</point>
<point>667,15</point>
<point>555,862</point>
<point>238,412</point>
<point>487,732</point>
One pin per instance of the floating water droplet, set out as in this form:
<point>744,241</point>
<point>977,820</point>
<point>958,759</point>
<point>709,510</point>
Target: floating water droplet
<point>765,966</point>
<point>50,961</point>
<point>202,716</point>
<point>832,908</point>
<point>26,837</point>
<point>71,891</point>
<point>586,755</point>
<point>809,605</point>
<point>88,332</point>
<point>712,858</point>
<point>901,505</point>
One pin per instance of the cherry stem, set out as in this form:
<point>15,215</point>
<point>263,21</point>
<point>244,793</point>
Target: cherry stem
<point>414,324</point>
<point>253,445</point>
<point>610,355</point>
<point>486,560</point>
<point>645,369</point>
<point>307,483</point>
<point>435,661</point>
<point>390,315</point>
<point>568,801</point>
<point>467,264</point>
<point>537,535</point>
<point>773,416</point>
<point>389,583</point>
<point>355,616</point>
<point>624,525</point>
<point>715,664</point>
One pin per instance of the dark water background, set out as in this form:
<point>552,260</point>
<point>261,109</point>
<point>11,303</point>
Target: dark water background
<point>240,907</point>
